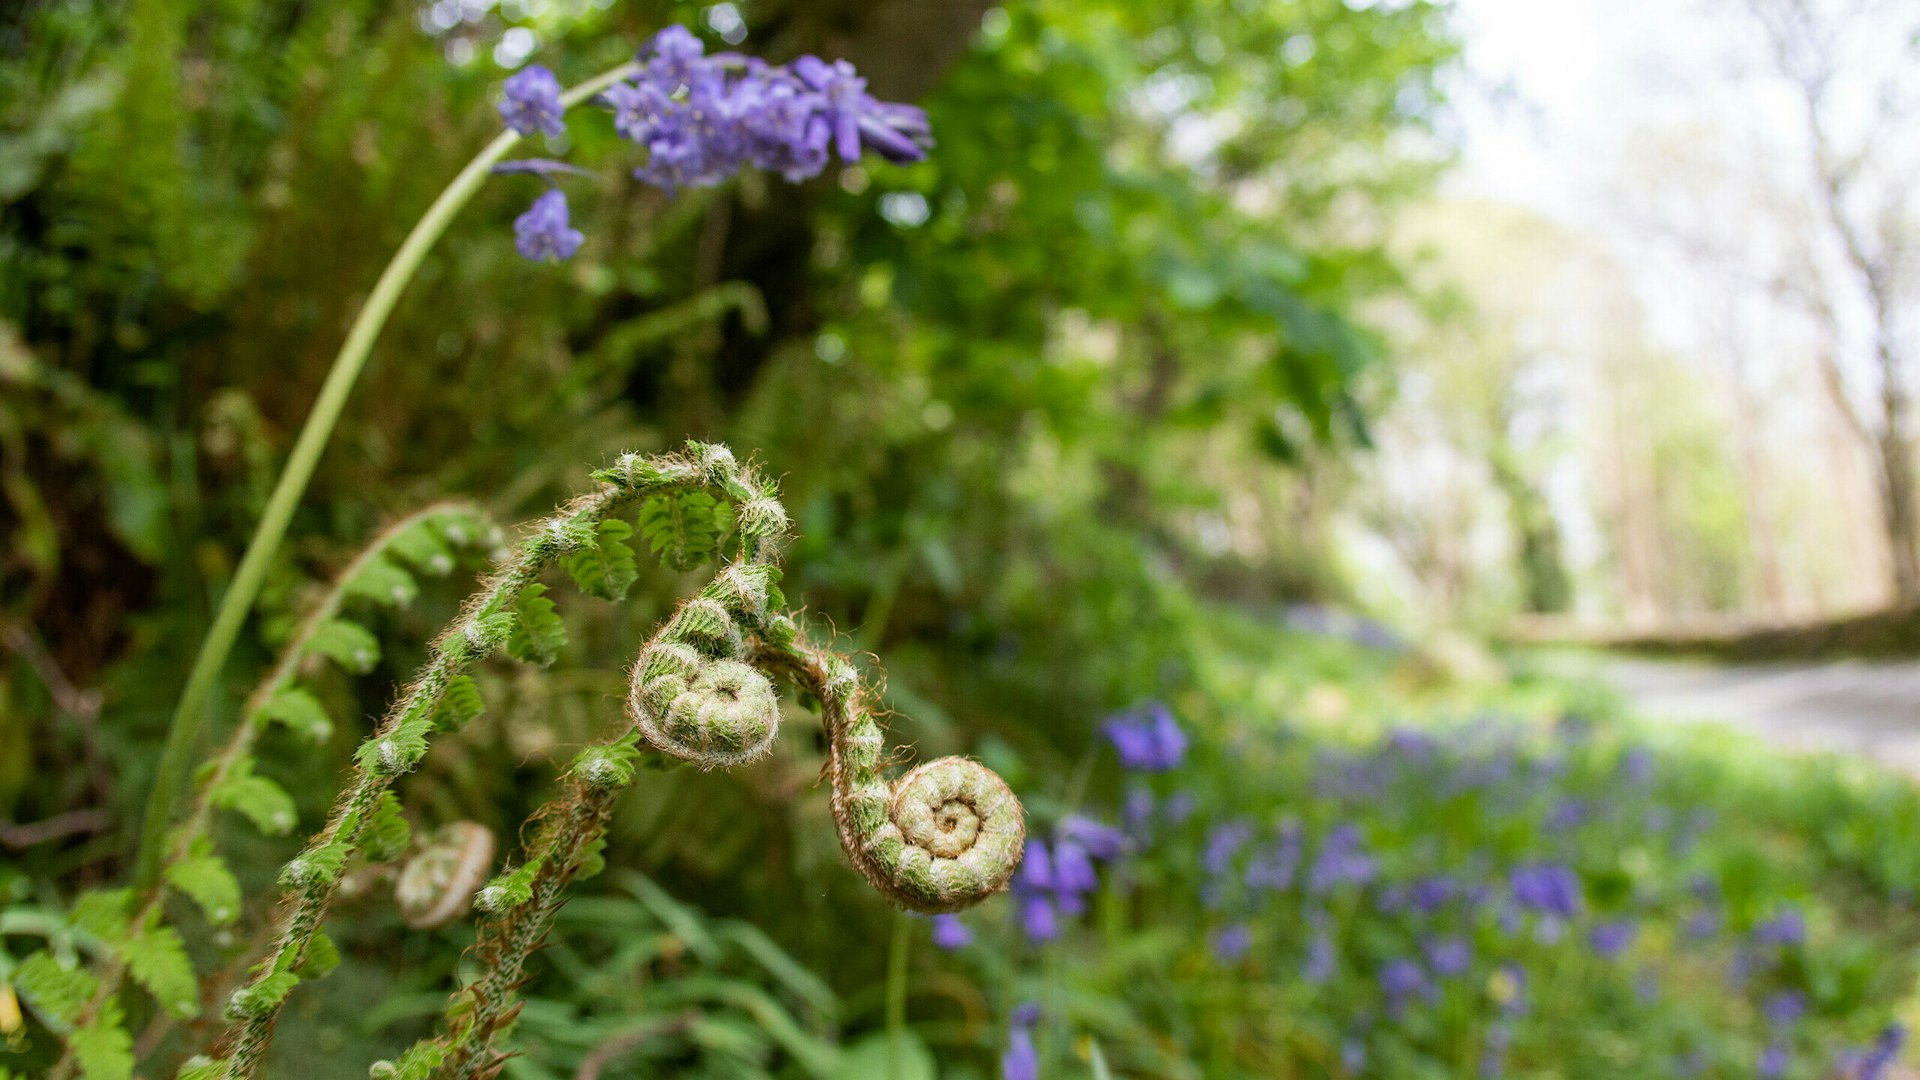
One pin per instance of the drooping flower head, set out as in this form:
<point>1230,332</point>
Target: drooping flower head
<point>532,102</point>
<point>1547,888</point>
<point>544,231</point>
<point>1232,942</point>
<point>1610,939</point>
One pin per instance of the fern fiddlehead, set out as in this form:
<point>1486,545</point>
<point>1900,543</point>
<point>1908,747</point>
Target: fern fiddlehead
<point>943,837</point>
<point>509,611</point>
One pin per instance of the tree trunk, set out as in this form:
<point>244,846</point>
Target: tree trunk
<point>1896,491</point>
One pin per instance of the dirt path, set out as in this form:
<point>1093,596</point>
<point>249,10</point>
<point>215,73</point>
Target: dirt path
<point>1871,709</point>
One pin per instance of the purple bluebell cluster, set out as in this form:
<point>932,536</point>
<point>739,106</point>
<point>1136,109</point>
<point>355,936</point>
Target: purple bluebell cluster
<point>1057,874</point>
<point>544,232</point>
<point>702,118</point>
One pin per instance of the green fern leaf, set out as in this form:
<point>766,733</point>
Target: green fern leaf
<point>388,835</point>
<point>55,990</point>
<point>157,960</point>
<point>382,581</point>
<point>262,801</point>
<point>459,705</point>
<point>300,711</point>
<point>682,528</point>
<point>422,548</point>
<point>204,877</point>
<point>605,566</point>
<point>346,643</point>
<point>103,1048</point>
<point>322,957</point>
<point>103,913</point>
<point>538,633</point>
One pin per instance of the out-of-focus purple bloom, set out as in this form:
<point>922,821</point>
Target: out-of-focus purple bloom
<point>1702,924</point>
<point>1224,841</point>
<point>1392,898</point>
<point>1401,980</point>
<point>1431,893</point>
<point>1785,1008</point>
<point>1100,840</point>
<point>1026,1014</point>
<point>1409,743</point>
<point>544,231</point>
<point>1567,814</point>
<point>1493,1056</point>
<point>1073,868</point>
<point>1610,939</point>
<point>1038,918</point>
<point>1036,868</point>
<point>1740,970</point>
<point>1232,942</point>
<point>1148,739</point>
<point>1637,764</point>
<point>1020,1062</point>
<point>1548,888</point>
<point>1180,806</point>
<point>532,102</point>
<point>1789,927</point>
<point>1690,1064</point>
<point>1646,986</point>
<point>1137,812</point>
<point>950,933</point>
<point>1873,1065</point>
<point>1353,1056</point>
<point>1773,1062</point>
<point>1448,956</point>
<point>1322,958</point>
<point>1340,860</point>
<point>1574,728</point>
<point>1273,867</point>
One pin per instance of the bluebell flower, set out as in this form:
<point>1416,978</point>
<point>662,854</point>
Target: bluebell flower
<point>854,117</point>
<point>1148,739</point>
<point>1548,888</point>
<point>1402,980</point>
<point>1136,814</point>
<point>1412,744</point>
<point>1100,840</point>
<point>1702,924</point>
<point>1038,919</point>
<point>950,933</point>
<point>1448,956</point>
<point>1789,927</point>
<point>1021,1061</point>
<point>1785,1008</point>
<point>1036,868</point>
<point>1353,1056</point>
<point>1026,1014</point>
<point>1431,893</point>
<point>1610,939</point>
<point>1569,813</point>
<point>1273,867</point>
<point>1637,764</point>
<point>1322,958</point>
<point>1224,841</point>
<point>1873,1065</point>
<point>1340,860</point>
<point>1493,1056</point>
<point>544,231</point>
<point>1773,1062</point>
<point>532,102</point>
<point>1180,806</point>
<point>1073,868</point>
<point>1232,942</point>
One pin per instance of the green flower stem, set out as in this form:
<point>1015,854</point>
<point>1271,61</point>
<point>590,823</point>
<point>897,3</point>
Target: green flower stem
<point>189,716</point>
